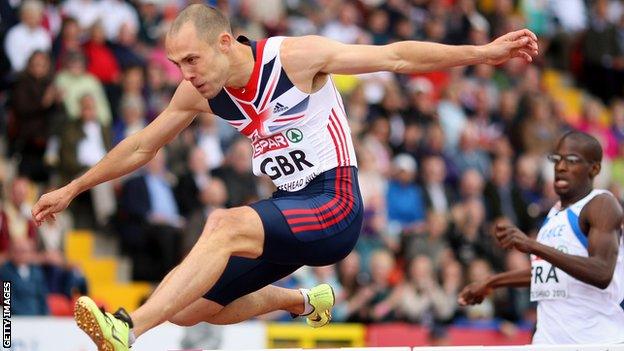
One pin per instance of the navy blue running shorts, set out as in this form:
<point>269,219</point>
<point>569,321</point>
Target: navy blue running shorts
<point>315,226</point>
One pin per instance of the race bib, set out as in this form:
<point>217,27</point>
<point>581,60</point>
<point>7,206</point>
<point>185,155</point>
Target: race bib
<point>547,281</point>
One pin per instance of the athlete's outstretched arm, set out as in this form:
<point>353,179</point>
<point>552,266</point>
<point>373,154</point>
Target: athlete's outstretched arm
<point>474,293</point>
<point>321,55</point>
<point>130,154</point>
<point>603,216</point>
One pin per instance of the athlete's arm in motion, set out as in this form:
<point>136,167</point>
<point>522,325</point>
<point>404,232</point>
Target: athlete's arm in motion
<point>601,219</point>
<point>130,154</point>
<point>475,292</point>
<point>307,56</point>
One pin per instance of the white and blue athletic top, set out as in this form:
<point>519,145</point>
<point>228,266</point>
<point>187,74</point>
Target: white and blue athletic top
<point>570,311</point>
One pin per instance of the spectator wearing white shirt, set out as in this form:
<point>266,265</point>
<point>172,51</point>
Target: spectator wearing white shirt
<point>86,12</point>
<point>27,36</point>
<point>114,14</point>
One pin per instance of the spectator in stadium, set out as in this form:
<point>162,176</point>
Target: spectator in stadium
<point>73,82</point>
<point>209,139</point>
<point>15,209</point>
<point>35,107</point>
<point>404,200</point>
<point>191,184</point>
<point>437,194</point>
<point>132,118</point>
<point>116,14</point>
<point>150,221</point>
<point>211,196</point>
<point>423,300</point>
<point>101,62</point>
<point>86,12</point>
<point>83,142</point>
<point>433,242</point>
<point>539,129</point>
<point>236,174</point>
<point>469,154</point>
<point>124,47</point>
<point>69,40</point>
<point>351,279</point>
<point>27,36</point>
<point>28,286</point>
<point>503,198</point>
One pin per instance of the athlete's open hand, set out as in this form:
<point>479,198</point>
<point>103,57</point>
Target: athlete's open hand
<point>510,237</point>
<point>473,294</point>
<point>51,203</point>
<point>521,43</point>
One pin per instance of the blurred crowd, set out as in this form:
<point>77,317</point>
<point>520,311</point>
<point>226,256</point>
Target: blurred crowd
<point>443,156</point>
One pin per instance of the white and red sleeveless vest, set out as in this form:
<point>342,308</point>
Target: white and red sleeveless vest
<point>295,136</point>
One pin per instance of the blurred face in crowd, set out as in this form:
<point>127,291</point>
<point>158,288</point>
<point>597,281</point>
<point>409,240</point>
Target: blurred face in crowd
<point>239,156</point>
<point>19,191</point>
<point>381,266</point>
<point>197,161</point>
<point>71,30</point>
<point>39,65</point>
<point>378,21</point>
<point>158,164</point>
<point>203,64</point>
<point>479,270</point>
<point>21,251</point>
<point>98,35</point>
<point>471,184</point>
<point>133,80</point>
<point>421,269</point>
<point>214,194</point>
<point>88,110</point>
<point>436,225</point>
<point>350,265</point>
<point>526,172</point>
<point>32,13</point>
<point>76,65</point>
<point>501,171</point>
<point>132,110</point>
<point>434,170</point>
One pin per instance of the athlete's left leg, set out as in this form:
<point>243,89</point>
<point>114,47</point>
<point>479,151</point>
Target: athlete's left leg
<point>268,299</point>
<point>237,231</point>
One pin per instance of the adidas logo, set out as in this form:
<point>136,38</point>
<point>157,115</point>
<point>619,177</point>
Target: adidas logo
<point>280,108</point>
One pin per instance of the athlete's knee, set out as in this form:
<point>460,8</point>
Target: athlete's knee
<point>215,219</point>
<point>235,230</point>
<point>183,321</point>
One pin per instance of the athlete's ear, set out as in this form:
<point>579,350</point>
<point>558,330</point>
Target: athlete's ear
<point>224,42</point>
<point>594,169</point>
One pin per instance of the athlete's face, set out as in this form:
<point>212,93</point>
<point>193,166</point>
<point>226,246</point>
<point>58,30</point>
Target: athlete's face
<point>202,64</point>
<point>574,171</point>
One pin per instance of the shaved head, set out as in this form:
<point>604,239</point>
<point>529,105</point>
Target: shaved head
<point>590,146</point>
<point>208,22</point>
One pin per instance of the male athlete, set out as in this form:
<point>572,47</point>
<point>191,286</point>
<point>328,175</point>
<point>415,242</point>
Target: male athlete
<point>279,93</point>
<point>577,260</point>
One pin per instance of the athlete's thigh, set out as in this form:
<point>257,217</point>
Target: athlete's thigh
<point>243,276</point>
<point>240,227</point>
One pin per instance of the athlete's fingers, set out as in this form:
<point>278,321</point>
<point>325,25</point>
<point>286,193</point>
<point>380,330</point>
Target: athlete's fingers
<point>520,33</point>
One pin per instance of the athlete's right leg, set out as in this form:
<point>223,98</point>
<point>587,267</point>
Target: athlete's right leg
<point>268,299</point>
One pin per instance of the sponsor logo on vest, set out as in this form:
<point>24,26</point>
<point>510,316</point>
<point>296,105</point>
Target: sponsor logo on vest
<point>274,142</point>
<point>279,108</point>
<point>294,135</point>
